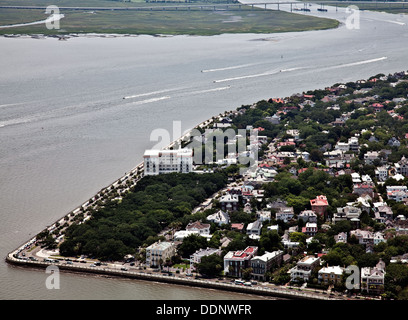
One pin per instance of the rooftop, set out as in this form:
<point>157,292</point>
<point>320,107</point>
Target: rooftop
<point>319,201</point>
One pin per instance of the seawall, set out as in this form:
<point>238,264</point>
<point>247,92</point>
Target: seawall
<point>256,290</point>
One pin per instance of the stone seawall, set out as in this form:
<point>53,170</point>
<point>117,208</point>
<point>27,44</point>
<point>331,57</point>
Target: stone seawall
<point>257,290</point>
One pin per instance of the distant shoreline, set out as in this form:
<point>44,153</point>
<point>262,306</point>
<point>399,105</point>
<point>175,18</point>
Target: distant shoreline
<point>201,19</point>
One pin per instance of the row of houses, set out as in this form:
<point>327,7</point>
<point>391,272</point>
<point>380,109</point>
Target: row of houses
<point>370,280</point>
<point>237,263</point>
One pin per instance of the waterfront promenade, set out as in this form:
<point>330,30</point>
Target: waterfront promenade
<point>117,270</point>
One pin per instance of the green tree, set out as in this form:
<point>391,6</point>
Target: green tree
<point>191,244</point>
<point>270,241</point>
<point>211,265</point>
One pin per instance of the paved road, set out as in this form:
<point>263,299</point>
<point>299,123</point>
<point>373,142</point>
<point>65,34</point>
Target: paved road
<point>31,253</point>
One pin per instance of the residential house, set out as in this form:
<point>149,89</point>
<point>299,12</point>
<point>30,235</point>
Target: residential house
<point>285,214</point>
<point>341,237</point>
<point>262,264</point>
<point>397,193</point>
<point>394,142</point>
<point>378,238</point>
<point>319,205</point>
<point>338,158</point>
<point>236,261</point>
<point>247,207</point>
<point>274,227</point>
<point>229,202</point>
<point>330,275</point>
<point>363,202</point>
<point>342,146</point>
<point>364,237</point>
<point>308,216</point>
<point>303,269</point>
<point>310,229</point>
<point>355,177</point>
<point>159,252</point>
<point>282,155</point>
<point>275,119</point>
<point>196,257</point>
<point>364,188</point>
<point>339,122</point>
<point>371,156</point>
<point>372,279</point>
<point>305,156</point>
<point>237,227</point>
<point>279,203</point>
<point>220,218</point>
<point>346,213</point>
<point>263,215</point>
<point>181,234</point>
<point>381,173</point>
<point>262,175</point>
<point>199,227</point>
<point>294,133</point>
<point>353,144</point>
<point>385,212</point>
<point>400,259</point>
<point>373,139</point>
<point>254,228</point>
<point>402,166</point>
<point>377,107</point>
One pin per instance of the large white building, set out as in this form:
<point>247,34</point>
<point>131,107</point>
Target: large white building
<point>158,252</point>
<point>167,161</point>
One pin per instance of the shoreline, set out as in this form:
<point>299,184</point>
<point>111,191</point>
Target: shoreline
<point>292,294</point>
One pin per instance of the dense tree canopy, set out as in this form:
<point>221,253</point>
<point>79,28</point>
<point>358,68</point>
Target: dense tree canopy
<point>156,201</point>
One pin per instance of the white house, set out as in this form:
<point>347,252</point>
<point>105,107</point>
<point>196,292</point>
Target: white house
<point>196,257</point>
<point>285,214</point>
<point>197,226</point>
<point>220,218</point>
<point>372,279</point>
<point>304,268</point>
<point>370,156</point>
<point>161,250</point>
<point>397,193</point>
<point>308,216</point>
<point>342,146</point>
<point>381,173</point>
<point>254,228</point>
<point>263,215</point>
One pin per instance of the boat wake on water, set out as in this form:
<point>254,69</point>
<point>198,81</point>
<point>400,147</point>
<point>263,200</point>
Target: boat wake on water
<point>231,67</point>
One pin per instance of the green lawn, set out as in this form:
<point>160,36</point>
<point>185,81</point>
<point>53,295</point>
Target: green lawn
<point>183,266</point>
